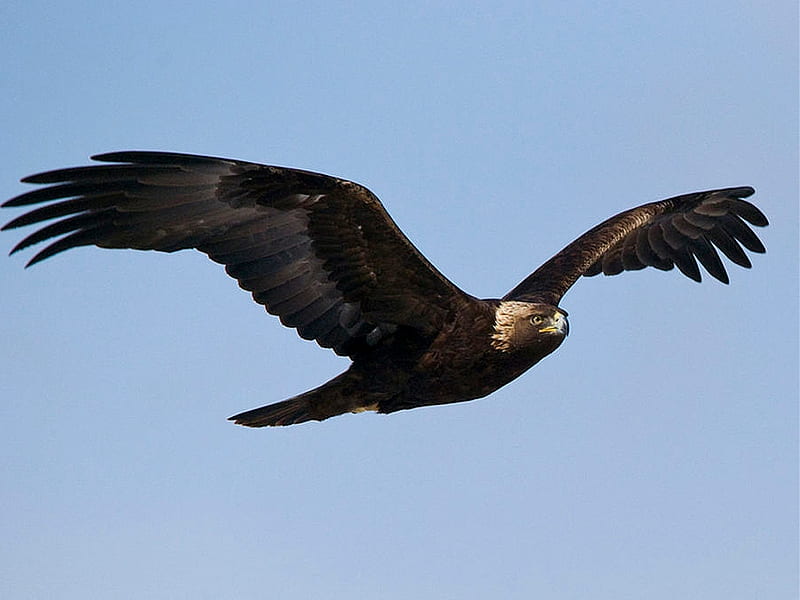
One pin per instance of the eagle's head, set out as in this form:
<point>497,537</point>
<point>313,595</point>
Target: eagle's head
<point>520,326</point>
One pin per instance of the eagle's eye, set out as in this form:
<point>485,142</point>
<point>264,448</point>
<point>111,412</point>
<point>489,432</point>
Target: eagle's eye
<point>536,320</point>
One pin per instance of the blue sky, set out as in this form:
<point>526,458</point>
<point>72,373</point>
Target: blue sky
<point>654,455</point>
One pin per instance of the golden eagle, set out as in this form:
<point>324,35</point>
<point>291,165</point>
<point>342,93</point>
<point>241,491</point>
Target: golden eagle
<point>323,254</point>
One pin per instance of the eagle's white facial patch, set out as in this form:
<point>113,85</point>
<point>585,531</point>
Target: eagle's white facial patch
<point>504,318</point>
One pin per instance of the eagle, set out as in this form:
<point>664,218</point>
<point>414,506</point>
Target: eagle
<point>323,255</point>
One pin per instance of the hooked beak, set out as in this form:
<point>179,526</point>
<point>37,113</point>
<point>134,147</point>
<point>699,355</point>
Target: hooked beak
<point>559,325</point>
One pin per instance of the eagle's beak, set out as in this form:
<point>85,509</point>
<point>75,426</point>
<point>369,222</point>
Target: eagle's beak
<point>559,325</point>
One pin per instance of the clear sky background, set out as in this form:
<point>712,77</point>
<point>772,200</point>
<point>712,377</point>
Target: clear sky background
<point>654,455</point>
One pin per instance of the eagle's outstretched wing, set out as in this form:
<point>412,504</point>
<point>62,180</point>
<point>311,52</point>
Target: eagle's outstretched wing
<point>320,252</point>
<point>678,232</point>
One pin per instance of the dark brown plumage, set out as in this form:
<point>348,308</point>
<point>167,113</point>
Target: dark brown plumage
<point>323,254</point>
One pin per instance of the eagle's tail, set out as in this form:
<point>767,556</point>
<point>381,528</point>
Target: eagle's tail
<point>291,411</point>
<point>340,395</point>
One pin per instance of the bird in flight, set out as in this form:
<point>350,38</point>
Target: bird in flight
<point>323,255</point>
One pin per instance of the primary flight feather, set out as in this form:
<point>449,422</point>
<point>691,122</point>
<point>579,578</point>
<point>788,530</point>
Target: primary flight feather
<point>323,255</point>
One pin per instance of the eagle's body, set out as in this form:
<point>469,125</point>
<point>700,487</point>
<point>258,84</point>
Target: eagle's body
<point>323,255</point>
<point>469,358</point>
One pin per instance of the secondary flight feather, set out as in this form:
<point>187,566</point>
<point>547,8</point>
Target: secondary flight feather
<point>323,255</point>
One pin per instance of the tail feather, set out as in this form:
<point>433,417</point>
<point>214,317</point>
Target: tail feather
<point>340,395</point>
<point>289,412</point>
